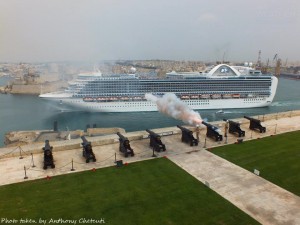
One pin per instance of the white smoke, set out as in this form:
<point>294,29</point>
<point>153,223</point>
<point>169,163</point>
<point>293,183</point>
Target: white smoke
<point>172,106</point>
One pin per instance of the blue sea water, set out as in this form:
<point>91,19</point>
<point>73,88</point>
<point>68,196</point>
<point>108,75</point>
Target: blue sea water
<point>25,112</point>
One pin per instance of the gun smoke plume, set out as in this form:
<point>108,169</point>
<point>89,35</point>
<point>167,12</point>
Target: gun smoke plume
<point>172,106</point>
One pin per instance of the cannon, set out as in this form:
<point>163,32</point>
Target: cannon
<point>87,151</point>
<point>187,136</point>
<point>212,132</point>
<point>124,145</point>
<point>155,141</point>
<point>48,156</point>
<point>255,125</point>
<point>234,127</point>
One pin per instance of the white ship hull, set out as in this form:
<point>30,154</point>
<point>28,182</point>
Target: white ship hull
<point>147,106</point>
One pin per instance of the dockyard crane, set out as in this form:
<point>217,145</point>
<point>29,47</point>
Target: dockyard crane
<point>277,65</point>
<point>258,64</point>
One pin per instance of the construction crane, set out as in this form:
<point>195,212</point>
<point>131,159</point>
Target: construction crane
<point>258,64</point>
<point>265,69</point>
<point>277,64</point>
<point>286,61</point>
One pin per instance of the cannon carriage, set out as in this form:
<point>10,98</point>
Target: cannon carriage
<point>187,136</point>
<point>87,151</point>
<point>255,124</point>
<point>234,127</point>
<point>48,156</point>
<point>124,146</point>
<point>212,132</point>
<point>155,141</point>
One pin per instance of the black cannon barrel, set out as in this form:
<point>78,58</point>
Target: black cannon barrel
<point>85,141</point>
<point>247,117</point>
<point>121,136</point>
<point>183,128</point>
<point>47,146</point>
<point>210,126</point>
<point>250,118</point>
<point>149,131</point>
<point>152,133</point>
<point>233,122</point>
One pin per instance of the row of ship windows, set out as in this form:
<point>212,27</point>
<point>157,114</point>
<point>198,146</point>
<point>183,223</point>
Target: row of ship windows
<point>204,102</point>
<point>140,104</point>
<point>90,94</point>
<point>120,90</point>
<point>175,86</point>
<point>171,89</point>
<point>132,87</point>
<point>122,83</point>
<point>120,106</point>
<point>253,100</point>
<point>179,82</point>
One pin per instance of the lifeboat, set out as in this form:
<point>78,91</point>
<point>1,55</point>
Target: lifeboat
<point>214,96</point>
<point>236,95</point>
<point>113,99</point>
<point>101,99</point>
<point>194,96</point>
<point>205,96</point>
<point>136,98</point>
<point>88,99</point>
<point>124,98</point>
<point>184,97</point>
<point>226,96</point>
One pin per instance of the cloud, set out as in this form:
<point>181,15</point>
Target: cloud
<point>207,18</point>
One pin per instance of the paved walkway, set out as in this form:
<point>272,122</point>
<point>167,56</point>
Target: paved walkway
<point>262,200</point>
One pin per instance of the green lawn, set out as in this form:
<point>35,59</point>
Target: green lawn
<point>149,192</point>
<point>276,157</point>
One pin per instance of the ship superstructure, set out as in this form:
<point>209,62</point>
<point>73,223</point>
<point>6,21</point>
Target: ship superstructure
<point>220,87</point>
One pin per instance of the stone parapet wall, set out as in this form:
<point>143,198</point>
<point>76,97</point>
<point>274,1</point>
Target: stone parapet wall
<point>113,138</point>
<point>104,131</point>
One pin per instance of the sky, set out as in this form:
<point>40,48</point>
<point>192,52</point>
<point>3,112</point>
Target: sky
<point>95,30</point>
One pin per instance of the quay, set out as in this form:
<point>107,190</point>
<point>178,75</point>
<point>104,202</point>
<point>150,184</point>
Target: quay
<point>262,200</point>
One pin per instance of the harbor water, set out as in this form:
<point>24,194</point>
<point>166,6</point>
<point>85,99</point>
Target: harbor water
<point>25,112</point>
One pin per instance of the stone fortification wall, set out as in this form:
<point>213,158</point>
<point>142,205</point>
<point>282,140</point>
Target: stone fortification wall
<point>113,138</point>
<point>104,131</point>
<point>36,89</point>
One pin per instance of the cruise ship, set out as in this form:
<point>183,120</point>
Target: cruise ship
<point>219,87</point>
